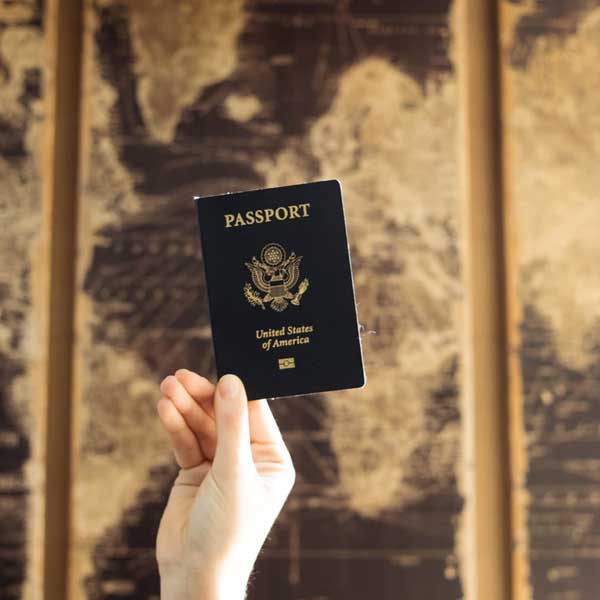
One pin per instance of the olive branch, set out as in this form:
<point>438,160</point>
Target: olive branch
<point>253,297</point>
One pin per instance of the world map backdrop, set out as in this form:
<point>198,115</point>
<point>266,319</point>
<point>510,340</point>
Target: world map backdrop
<point>200,98</point>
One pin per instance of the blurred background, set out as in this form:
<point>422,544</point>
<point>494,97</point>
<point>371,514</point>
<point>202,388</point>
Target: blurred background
<point>467,138</point>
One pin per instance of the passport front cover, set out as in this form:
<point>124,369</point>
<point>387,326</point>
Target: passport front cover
<point>280,290</point>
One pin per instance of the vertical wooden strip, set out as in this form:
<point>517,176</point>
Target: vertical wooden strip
<point>518,455</point>
<point>486,519</point>
<point>63,49</point>
<point>550,56</point>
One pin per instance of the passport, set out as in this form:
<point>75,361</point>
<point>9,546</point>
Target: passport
<point>280,290</point>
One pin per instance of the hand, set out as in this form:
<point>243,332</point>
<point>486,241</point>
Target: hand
<point>235,475</point>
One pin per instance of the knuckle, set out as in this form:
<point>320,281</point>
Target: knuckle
<point>183,377</point>
<point>166,385</point>
<point>230,415</point>
<point>162,406</point>
<point>184,405</point>
<point>167,413</point>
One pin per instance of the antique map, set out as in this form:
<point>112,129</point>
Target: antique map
<point>203,98</point>
<point>552,127</point>
<point>21,350</point>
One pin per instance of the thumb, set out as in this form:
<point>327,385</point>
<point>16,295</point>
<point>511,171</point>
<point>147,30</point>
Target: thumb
<point>233,454</point>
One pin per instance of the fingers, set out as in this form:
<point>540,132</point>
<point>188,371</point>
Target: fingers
<point>263,427</point>
<point>196,418</point>
<point>199,388</point>
<point>184,442</point>
<point>233,456</point>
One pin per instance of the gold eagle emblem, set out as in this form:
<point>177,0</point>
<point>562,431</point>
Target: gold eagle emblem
<point>275,275</point>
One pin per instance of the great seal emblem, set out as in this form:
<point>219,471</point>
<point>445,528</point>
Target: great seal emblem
<point>275,274</point>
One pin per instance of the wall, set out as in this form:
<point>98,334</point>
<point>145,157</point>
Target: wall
<point>465,137</point>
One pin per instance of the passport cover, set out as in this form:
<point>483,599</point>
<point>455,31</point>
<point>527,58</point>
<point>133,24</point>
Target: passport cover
<point>280,290</point>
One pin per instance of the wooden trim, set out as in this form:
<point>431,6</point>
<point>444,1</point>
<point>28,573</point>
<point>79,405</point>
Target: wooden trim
<point>59,197</point>
<point>521,590</point>
<point>485,532</point>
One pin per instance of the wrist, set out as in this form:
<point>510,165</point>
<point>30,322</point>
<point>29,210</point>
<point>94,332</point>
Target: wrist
<point>206,584</point>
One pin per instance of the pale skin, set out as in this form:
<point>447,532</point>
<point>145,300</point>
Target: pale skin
<point>235,475</point>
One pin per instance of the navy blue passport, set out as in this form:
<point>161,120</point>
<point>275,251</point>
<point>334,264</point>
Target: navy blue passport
<point>280,290</point>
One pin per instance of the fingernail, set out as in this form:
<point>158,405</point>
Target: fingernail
<point>229,386</point>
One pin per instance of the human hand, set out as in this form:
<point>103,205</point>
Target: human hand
<point>235,475</point>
